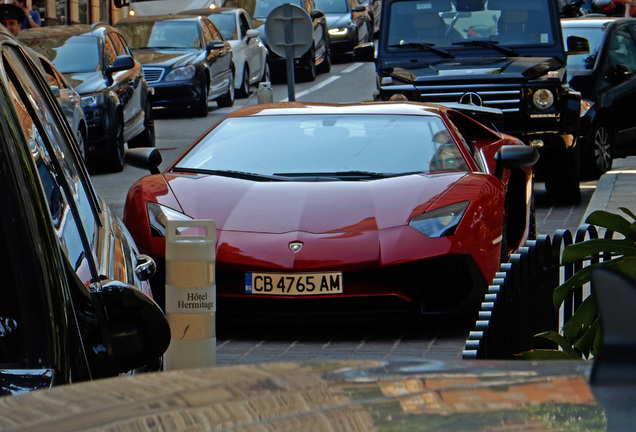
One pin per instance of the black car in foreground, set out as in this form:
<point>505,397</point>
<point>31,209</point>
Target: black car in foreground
<point>185,59</point>
<point>97,62</point>
<point>72,300</point>
<point>606,78</point>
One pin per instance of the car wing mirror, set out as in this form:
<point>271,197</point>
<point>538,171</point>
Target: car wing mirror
<point>252,34</point>
<point>121,63</point>
<point>215,45</point>
<point>577,45</point>
<point>134,329</point>
<point>359,8</point>
<point>316,14</point>
<point>514,156</point>
<point>144,158</point>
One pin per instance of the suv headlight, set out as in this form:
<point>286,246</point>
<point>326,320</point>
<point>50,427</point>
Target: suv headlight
<point>158,217</point>
<point>181,73</point>
<point>440,222</point>
<point>92,100</point>
<point>543,99</point>
<point>339,31</point>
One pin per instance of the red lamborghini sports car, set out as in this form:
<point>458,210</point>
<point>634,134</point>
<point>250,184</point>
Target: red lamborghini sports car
<point>365,208</point>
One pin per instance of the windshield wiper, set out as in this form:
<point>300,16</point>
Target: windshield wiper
<point>229,173</point>
<point>424,47</point>
<point>489,44</point>
<point>349,175</point>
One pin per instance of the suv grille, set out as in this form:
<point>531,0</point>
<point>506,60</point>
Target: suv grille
<point>153,74</point>
<point>505,98</point>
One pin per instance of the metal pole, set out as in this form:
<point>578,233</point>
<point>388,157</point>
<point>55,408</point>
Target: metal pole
<point>289,51</point>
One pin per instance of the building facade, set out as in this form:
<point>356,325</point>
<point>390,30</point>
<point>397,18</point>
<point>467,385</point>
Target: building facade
<point>63,12</point>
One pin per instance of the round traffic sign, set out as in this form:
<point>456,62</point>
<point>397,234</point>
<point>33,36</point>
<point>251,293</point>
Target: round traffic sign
<point>289,30</point>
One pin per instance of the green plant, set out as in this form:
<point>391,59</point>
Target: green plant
<point>581,335</point>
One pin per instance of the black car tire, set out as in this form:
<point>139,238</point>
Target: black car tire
<point>200,106</point>
<point>244,90</point>
<point>308,72</point>
<point>114,161</point>
<point>267,76</point>
<point>227,100</point>
<point>563,176</point>
<point>598,157</point>
<point>147,137</point>
<point>325,66</point>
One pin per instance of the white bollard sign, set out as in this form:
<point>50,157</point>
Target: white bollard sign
<point>190,293</point>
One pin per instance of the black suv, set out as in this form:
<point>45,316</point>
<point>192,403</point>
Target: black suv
<point>72,301</point>
<point>98,63</point>
<point>503,54</point>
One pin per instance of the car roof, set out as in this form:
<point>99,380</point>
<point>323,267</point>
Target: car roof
<point>598,21</point>
<point>154,18</point>
<point>65,30</point>
<point>208,11</point>
<point>298,108</point>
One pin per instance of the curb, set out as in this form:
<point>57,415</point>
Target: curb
<point>602,194</point>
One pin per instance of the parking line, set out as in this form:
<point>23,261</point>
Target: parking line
<point>352,67</point>
<point>314,88</point>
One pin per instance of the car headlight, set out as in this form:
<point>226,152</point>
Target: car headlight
<point>181,73</point>
<point>543,99</point>
<point>339,31</point>
<point>440,222</point>
<point>92,100</point>
<point>158,217</point>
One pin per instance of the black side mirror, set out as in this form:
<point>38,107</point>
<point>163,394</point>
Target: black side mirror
<point>215,45</point>
<point>144,158</point>
<point>512,156</point>
<point>121,63</point>
<point>134,330</point>
<point>316,14</point>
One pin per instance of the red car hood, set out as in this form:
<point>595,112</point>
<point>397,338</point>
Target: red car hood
<point>313,207</point>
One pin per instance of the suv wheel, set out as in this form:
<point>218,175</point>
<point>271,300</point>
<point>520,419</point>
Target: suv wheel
<point>244,90</point>
<point>309,71</point>
<point>147,137</point>
<point>115,157</point>
<point>200,106</point>
<point>227,100</point>
<point>598,157</point>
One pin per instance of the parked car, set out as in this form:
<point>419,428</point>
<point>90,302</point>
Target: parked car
<point>97,62</point>
<point>250,55</point>
<point>316,59</point>
<point>349,25</point>
<point>607,81</point>
<point>345,207</point>
<point>70,101</point>
<point>361,395</point>
<point>75,301</point>
<point>185,59</point>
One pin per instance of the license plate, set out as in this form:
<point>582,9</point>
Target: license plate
<point>294,284</point>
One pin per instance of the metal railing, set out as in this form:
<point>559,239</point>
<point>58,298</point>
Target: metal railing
<point>518,305</point>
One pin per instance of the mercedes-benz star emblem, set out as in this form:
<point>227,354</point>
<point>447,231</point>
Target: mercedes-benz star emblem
<point>471,98</point>
<point>295,247</point>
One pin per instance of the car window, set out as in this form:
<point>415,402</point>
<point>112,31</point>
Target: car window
<point>118,44</point>
<point>622,52</point>
<point>225,23</point>
<point>69,199</point>
<point>110,53</point>
<point>69,55</point>
<point>244,23</point>
<point>211,31</point>
<point>594,35</point>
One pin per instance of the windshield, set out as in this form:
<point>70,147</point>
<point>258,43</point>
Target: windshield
<point>75,54</point>
<point>332,7</point>
<point>161,34</point>
<point>594,35</point>
<point>382,145</point>
<point>476,23</point>
<point>264,7</point>
<point>226,23</point>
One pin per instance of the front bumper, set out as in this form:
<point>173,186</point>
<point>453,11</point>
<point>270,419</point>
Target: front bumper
<point>175,95</point>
